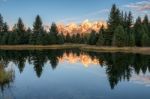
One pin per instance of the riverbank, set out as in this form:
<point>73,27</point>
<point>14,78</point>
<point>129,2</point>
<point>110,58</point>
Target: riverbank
<point>39,47</point>
<point>84,47</point>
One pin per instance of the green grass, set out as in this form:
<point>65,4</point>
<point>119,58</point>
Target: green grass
<point>84,47</point>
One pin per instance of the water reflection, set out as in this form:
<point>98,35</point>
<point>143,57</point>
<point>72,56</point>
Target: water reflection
<point>118,66</point>
<point>6,76</point>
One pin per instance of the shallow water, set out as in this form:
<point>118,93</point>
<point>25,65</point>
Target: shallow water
<point>74,74</point>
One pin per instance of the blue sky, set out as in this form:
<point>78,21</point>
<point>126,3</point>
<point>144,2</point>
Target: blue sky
<point>66,11</point>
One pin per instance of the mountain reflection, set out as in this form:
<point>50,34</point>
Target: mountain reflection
<point>83,58</point>
<point>119,66</point>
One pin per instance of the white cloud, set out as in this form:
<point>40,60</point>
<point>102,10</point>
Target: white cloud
<point>139,6</point>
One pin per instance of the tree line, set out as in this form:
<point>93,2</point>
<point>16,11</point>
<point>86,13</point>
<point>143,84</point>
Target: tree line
<point>121,31</point>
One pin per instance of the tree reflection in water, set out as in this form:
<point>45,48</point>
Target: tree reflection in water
<point>6,78</point>
<point>119,66</point>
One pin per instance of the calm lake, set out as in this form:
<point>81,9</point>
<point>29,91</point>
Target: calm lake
<point>73,74</point>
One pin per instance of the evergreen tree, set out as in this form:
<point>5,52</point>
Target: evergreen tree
<point>146,25</point>
<point>137,29</point>
<point>29,30</point>
<point>37,26</point>
<point>129,22</point>
<point>32,39</point>
<point>60,39</point>
<point>114,20</point>
<point>101,39</point>
<point>68,38</point>
<point>93,38</point>
<point>20,26</point>
<point>78,38</point>
<point>11,39</point>
<point>53,34</point>
<point>39,39</point>
<point>131,39</point>
<point>146,20</point>
<point>145,40</point>
<point>37,36</point>
<point>5,27</point>
<point>20,29</point>
<point>73,39</point>
<point>120,37</point>
<point>124,21</point>
<point>4,40</point>
<point>46,39</point>
<point>1,23</point>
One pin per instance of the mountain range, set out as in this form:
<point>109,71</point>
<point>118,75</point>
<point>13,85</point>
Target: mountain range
<point>85,27</point>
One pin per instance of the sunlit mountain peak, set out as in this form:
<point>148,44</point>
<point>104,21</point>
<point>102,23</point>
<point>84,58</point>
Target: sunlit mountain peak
<point>84,27</point>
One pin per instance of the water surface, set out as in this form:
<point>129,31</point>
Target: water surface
<point>74,74</point>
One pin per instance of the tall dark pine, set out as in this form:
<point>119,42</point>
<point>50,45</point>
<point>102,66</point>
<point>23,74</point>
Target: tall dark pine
<point>20,26</point>
<point>129,22</point>
<point>5,27</point>
<point>114,20</point>
<point>93,38</point>
<point>101,39</point>
<point>21,32</point>
<point>1,23</point>
<point>146,25</point>
<point>37,26</point>
<point>68,38</point>
<point>146,20</point>
<point>4,34</point>
<point>137,31</point>
<point>53,34</point>
<point>36,36</point>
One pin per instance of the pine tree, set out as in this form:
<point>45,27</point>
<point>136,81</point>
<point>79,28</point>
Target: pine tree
<point>145,40</point>
<point>53,34</point>
<point>129,22</point>
<point>11,38</point>
<point>1,23</point>
<point>37,31</point>
<point>32,39</point>
<point>114,20</point>
<point>124,23</point>
<point>4,40</point>
<point>5,27</point>
<point>29,30</point>
<point>146,25</point>
<point>60,39</point>
<point>20,29</point>
<point>146,20</point>
<point>20,26</point>
<point>93,38</point>
<point>37,26</point>
<point>78,38</point>
<point>137,29</point>
<point>68,38</point>
<point>101,39</point>
<point>73,39</point>
<point>39,39</point>
<point>131,39</point>
<point>120,37</point>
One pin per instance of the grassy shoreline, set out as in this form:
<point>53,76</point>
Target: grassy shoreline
<point>84,47</point>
